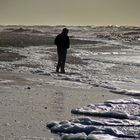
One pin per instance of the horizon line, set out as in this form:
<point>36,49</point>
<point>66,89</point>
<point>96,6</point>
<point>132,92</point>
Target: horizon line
<point>67,25</point>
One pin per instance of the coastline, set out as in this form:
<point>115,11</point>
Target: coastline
<point>29,102</point>
<point>33,95</point>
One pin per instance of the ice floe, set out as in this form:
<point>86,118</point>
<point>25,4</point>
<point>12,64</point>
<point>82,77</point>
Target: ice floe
<point>120,109</point>
<point>117,120</point>
<point>126,92</point>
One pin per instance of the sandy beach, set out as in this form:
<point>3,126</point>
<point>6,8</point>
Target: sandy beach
<point>29,102</point>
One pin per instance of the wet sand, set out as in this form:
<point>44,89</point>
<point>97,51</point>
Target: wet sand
<point>29,102</point>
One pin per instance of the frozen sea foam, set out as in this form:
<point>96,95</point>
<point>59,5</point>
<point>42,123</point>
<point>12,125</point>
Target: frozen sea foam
<point>117,120</point>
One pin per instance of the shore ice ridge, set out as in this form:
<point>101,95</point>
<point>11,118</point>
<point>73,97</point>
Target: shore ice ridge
<point>118,120</point>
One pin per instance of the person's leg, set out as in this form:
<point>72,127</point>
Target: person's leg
<point>59,60</point>
<point>63,61</point>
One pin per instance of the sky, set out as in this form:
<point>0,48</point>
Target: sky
<point>70,12</point>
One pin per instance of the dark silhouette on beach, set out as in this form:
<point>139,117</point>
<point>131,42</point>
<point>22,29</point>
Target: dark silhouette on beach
<point>62,42</point>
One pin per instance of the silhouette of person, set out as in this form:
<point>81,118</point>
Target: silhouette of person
<point>62,42</point>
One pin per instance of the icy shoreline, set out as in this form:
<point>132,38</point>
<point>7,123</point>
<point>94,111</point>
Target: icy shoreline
<point>122,122</point>
<point>105,57</point>
<point>100,56</point>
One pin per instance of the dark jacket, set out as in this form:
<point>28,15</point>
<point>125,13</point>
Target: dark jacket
<point>62,41</point>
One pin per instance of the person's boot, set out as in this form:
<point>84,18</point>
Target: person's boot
<point>62,70</point>
<point>57,69</point>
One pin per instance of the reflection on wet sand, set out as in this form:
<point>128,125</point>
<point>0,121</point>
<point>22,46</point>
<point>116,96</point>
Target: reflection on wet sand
<point>58,104</point>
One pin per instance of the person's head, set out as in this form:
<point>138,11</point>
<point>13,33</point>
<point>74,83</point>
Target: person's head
<point>65,31</point>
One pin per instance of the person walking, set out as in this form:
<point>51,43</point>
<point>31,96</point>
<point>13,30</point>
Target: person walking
<point>62,42</point>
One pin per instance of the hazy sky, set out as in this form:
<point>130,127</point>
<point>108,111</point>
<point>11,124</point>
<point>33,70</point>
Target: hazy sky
<point>70,12</point>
